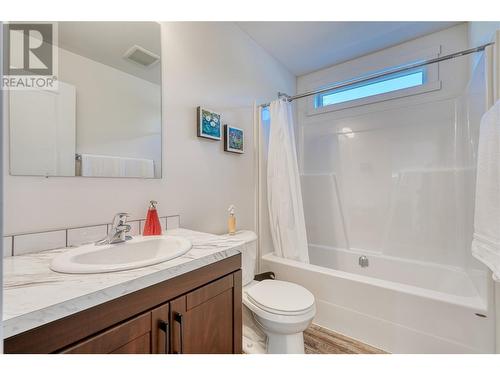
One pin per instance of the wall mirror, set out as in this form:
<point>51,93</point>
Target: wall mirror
<point>104,118</point>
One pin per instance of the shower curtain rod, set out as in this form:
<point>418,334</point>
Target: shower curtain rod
<point>383,74</point>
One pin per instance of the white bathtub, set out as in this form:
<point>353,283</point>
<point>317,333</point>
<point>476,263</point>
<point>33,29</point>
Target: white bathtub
<point>397,305</point>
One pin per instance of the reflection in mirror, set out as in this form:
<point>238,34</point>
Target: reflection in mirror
<point>104,119</point>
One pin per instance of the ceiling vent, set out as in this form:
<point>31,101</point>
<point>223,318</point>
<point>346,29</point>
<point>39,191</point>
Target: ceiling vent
<point>141,56</point>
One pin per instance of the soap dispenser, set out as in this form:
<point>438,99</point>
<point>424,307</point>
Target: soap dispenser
<point>231,221</point>
<point>152,226</point>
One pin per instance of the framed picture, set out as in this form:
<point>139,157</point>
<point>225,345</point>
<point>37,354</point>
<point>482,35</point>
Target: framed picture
<point>209,124</point>
<point>233,139</point>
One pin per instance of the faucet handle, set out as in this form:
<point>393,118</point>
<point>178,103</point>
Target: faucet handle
<point>118,230</point>
<point>120,219</point>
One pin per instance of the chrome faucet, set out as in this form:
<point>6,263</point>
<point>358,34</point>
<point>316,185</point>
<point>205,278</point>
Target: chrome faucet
<point>118,231</point>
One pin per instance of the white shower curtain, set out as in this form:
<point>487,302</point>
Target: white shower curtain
<point>284,196</point>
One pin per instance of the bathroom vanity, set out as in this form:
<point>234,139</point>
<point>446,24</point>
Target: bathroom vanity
<point>191,304</point>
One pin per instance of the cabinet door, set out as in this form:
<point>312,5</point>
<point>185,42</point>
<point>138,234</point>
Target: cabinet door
<point>160,330</point>
<point>202,321</point>
<point>130,337</point>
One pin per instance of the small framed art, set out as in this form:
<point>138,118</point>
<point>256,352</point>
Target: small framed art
<point>233,139</point>
<point>209,124</point>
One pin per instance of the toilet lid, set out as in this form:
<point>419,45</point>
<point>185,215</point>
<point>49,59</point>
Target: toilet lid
<point>281,297</point>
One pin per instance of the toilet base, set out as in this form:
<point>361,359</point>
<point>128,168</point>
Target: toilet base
<point>285,344</point>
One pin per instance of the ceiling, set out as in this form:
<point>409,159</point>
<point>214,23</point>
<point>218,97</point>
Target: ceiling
<point>107,42</point>
<point>304,47</point>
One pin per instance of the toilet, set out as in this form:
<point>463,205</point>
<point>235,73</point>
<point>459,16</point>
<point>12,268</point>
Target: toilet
<point>281,309</point>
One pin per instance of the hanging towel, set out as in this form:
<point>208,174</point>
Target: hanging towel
<point>486,240</point>
<point>114,166</point>
<point>131,167</point>
<point>284,196</point>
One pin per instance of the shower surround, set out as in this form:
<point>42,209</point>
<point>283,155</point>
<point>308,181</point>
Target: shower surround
<point>388,191</point>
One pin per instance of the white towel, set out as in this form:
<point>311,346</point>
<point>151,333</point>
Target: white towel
<point>486,240</point>
<point>131,167</point>
<point>114,166</point>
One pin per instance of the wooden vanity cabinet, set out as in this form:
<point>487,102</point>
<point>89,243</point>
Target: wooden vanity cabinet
<point>146,334</point>
<point>132,336</point>
<point>205,319</point>
<point>160,330</point>
<point>202,321</point>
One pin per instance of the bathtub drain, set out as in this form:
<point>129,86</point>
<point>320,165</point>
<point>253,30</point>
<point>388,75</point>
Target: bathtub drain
<point>363,261</point>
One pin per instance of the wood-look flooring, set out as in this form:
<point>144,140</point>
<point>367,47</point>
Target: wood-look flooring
<point>319,340</point>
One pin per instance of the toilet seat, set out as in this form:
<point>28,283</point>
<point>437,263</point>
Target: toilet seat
<point>280,298</point>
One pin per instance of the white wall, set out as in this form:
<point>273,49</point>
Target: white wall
<point>481,32</point>
<point>400,176</point>
<point>210,64</point>
<point>117,113</point>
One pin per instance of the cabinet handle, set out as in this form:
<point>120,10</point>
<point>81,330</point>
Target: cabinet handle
<point>165,328</point>
<point>179,319</point>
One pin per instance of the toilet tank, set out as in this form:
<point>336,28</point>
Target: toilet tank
<point>248,254</point>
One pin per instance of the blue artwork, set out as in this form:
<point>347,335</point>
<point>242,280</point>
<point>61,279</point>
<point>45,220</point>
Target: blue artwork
<point>233,139</point>
<point>208,124</point>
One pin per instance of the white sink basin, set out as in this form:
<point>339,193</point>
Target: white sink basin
<point>136,253</point>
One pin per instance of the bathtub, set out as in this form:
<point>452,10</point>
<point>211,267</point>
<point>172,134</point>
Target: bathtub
<point>397,305</point>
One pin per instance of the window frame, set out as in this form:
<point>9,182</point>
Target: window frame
<point>431,83</point>
<point>319,97</point>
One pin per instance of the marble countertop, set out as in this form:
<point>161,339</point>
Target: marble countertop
<point>35,295</point>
